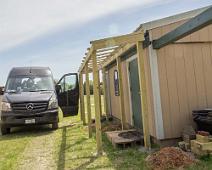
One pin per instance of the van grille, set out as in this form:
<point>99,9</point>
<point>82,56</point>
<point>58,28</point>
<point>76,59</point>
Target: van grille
<point>29,107</point>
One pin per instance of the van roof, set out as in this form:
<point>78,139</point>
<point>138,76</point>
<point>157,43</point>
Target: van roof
<point>34,71</point>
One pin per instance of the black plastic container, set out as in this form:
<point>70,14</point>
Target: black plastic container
<point>203,119</point>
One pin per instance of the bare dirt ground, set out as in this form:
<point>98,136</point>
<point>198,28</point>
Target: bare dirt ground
<point>38,154</point>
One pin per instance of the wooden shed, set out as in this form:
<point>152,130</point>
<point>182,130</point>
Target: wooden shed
<point>154,83</point>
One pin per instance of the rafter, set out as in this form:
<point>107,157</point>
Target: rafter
<point>118,40</point>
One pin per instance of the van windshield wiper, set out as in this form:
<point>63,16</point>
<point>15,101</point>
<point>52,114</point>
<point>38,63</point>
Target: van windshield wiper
<point>44,90</point>
<point>11,91</point>
<point>39,90</point>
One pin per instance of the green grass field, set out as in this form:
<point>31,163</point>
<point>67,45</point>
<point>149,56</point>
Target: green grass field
<point>68,148</point>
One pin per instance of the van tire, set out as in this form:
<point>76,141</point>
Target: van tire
<point>5,130</point>
<point>55,125</point>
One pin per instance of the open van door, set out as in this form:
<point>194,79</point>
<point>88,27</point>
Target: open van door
<point>68,94</point>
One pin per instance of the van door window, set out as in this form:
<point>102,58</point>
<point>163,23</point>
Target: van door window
<point>68,95</point>
<point>70,82</point>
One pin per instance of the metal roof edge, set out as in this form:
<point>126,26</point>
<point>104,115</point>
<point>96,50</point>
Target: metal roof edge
<point>171,19</point>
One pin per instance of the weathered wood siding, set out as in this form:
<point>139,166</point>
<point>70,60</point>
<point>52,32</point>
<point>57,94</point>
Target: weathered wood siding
<point>185,70</point>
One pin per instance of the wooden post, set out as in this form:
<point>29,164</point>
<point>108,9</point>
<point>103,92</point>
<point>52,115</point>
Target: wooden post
<point>88,101</point>
<point>97,104</point>
<point>82,106</point>
<point>121,93</point>
<point>104,91</point>
<point>143,94</point>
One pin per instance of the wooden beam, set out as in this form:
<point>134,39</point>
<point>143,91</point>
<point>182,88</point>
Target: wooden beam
<point>100,59</point>
<point>117,53</point>
<point>90,62</point>
<point>82,106</point>
<point>88,101</point>
<point>143,94</point>
<point>106,49</point>
<point>121,93</point>
<point>97,104</point>
<point>86,59</point>
<point>194,24</point>
<point>117,41</point>
<point>103,57</point>
<point>104,53</point>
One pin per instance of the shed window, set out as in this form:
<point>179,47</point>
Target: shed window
<point>116,82</point>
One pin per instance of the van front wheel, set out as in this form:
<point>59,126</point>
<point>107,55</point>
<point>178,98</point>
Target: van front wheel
<point>55,126</point>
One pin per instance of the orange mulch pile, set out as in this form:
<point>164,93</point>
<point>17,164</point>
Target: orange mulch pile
<point>169,158</point>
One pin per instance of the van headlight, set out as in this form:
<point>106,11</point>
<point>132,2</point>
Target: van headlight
<point>53,103</point>
<point>5,107</point>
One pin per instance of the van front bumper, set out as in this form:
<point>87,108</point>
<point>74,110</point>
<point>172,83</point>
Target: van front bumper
<point>10,119</point>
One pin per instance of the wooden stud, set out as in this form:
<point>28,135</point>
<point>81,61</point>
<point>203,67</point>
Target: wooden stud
<point>82,106</point>
<point>143,94</point>
<point>121,93</point>
<point>88,101</point>
<point>97,104</point>
<point>104,91</point>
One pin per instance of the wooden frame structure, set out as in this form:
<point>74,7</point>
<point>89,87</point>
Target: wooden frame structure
<point>101,53</point>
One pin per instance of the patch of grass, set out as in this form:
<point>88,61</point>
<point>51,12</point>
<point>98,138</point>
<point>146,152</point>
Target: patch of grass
<point>77,151</point>
<point>205,163</point>
<point>13,145</point>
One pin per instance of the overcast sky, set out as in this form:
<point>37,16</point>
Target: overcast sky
<point>56,33</point>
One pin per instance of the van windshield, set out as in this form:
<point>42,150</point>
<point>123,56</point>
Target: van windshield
<point>29,84</point>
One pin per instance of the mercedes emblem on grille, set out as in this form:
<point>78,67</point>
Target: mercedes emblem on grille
<point>30,106</point>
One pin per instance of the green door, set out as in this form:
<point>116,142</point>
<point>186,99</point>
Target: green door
<point>135,93</point>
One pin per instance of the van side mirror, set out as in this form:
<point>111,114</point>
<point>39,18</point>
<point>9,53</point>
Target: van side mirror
<point>58,88</point>
<point>1,90</point>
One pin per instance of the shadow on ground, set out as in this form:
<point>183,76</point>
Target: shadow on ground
<point>27,131</point>
<point>77,151</point>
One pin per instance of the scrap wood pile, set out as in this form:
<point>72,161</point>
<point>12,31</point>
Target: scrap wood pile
<point>169,158</point>
<point>108,125</point>
<point>112,126</point>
